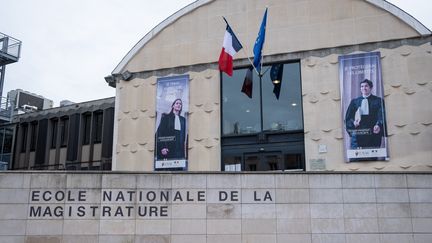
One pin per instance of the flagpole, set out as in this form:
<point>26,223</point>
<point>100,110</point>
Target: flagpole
<point>245,50</point>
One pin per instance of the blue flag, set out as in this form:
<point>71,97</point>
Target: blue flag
<point>259,43</point>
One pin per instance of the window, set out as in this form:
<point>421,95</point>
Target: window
<point>64,128</point>
<point>264,132</point>
<point>86,129</point>
<point>54,127</point>
<point>24,135</point>
<point>97,124</point>
<point>33,130</point>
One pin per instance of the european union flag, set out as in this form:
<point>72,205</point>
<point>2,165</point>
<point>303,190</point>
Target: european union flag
<point>276,73</point>
<point>259,43</point>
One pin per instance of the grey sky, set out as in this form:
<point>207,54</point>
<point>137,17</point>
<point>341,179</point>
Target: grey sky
<point>69,46</point>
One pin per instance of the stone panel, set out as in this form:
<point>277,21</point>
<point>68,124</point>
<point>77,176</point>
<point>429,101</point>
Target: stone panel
<point>153,227</point>
<point>224,226</point>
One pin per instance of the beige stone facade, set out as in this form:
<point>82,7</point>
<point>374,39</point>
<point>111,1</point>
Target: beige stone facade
<point>215,207</point>
<point>314,32</point>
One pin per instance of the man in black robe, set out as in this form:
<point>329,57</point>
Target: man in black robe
<point>365,118</point>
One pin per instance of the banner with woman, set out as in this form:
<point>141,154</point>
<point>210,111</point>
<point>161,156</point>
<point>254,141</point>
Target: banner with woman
<point>172,106</point>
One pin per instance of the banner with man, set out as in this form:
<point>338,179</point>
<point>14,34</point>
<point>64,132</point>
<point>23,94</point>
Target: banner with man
<point>363,110</point>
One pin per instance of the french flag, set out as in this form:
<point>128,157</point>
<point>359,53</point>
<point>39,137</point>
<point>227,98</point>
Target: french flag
<point>231,45</point>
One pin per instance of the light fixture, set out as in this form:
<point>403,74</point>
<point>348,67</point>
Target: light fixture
<point>247,110</point>
<point>276,81</point>
<point>294,104</point>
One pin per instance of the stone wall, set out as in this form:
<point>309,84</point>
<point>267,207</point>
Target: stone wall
<point>215,207</point>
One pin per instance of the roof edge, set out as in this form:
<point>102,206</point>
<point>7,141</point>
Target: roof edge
<point>158,28</point>
<point>386,6</point>
<point>402,15</point>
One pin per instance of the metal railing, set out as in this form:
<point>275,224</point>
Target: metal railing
<point>10,46</point>
<point>6,109</point>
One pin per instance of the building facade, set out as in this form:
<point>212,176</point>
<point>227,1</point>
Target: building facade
<point>304,128</point>
<point>73,137</point>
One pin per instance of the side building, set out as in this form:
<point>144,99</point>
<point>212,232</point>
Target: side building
<point>73,137</point>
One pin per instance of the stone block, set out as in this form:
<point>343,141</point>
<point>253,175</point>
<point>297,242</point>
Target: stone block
<point>390,210</point>
<point>152,239</point>
<point>116,238</point>
<point>80,239</point>
<point>189,181</point>
<point>292,181</point>
<point>46,181</point>
<point>153,227</point>
<point>422,238</point>
<point>358,181</point>
<point>362,210</point>
<point>422,225</point>
<point>325,181</point>
<point>188,226</point>
<point>119,181</point>
<point>392,195</point>
<point>224,181</point>
<point>224,226</point>
<point>84,181</point>
<point>294,238</point>
<point>420,210</point>
<point>419,181</point>
<point>12,227</point>
<point>12,239</point>
<point>81,227</point>
<point>326,211</point>
<point>219,238</point>
<point>293,226</point>
<point>390,181</point>
<point>292,196</point>
<point>188,211</point>
<point>224,211</point>
<point>362,238</point>
<point>264,181</point>
<point>359,195</point>
<point>361,225</point>
<point>293,211</point>
<point>255,238</point>
<point>43,239</point>
<point>148,181</point>
<point>395,225</point>
<point>328,238</point>
<point>15,180</point>
<point>44,227</point>
<point>117,227</point>
<point>188,238</point>
<point>258,226</point>
<point>326,196</point>
<point>13,211</point>
<point>14,195</point>
<point>420,195</point>
<point>260,211</point>
<point>333,226</point>
<point>258,196</point>
<point>396,238</point>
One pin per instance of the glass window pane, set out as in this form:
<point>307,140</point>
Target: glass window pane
<point>241,114</point>
<point>285,113</point>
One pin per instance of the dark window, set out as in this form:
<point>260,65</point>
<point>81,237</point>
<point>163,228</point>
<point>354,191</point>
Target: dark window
<point>54,127</point>
<point>86,129</point>
<point>264,132</point>
<point>97,127</point>
<point>64,128</point>
<point>33,130</point>
<point>24,135</point>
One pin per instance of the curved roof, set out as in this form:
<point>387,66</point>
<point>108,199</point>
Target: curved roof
<point>382,4</point>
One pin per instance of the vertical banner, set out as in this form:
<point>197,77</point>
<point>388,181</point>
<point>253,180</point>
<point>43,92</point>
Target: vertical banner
<point>363,110</point>
<point>172,106</point>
